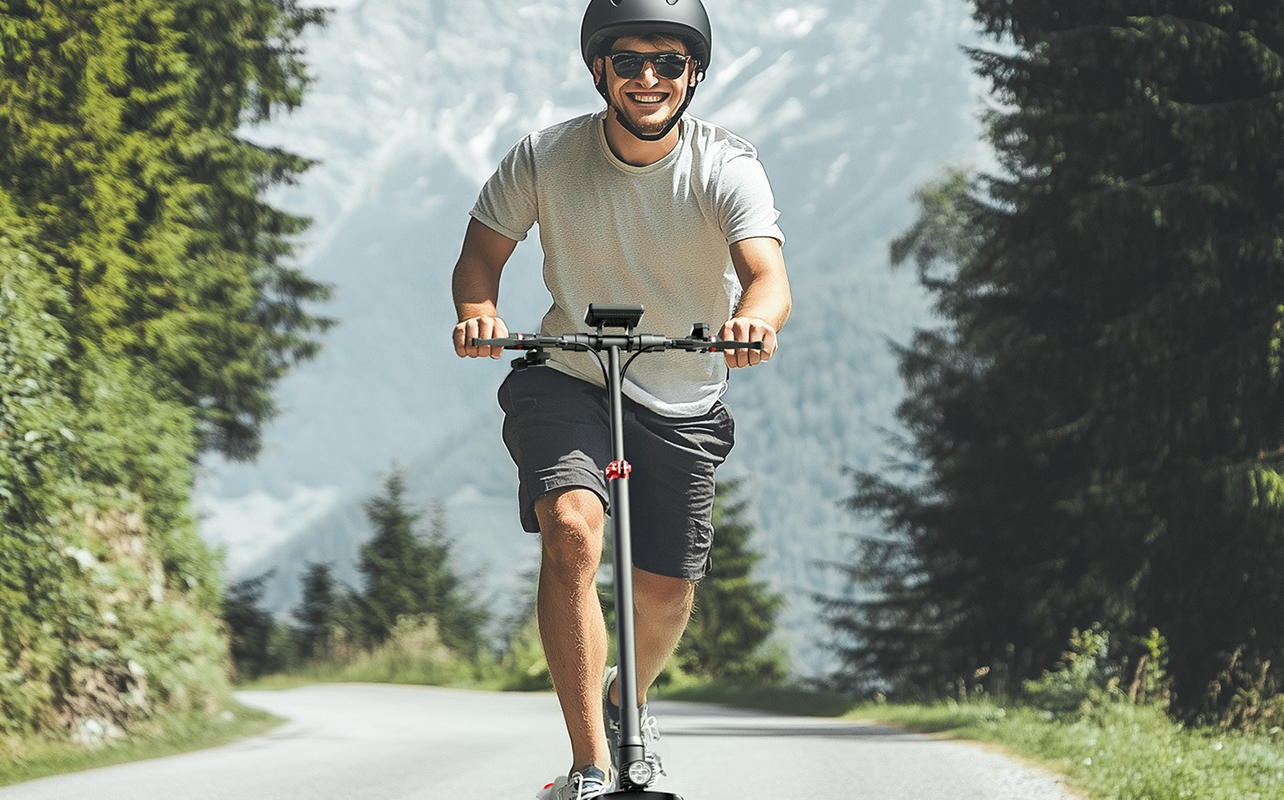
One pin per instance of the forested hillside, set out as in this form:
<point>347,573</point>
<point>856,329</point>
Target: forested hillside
<point>147,308</point>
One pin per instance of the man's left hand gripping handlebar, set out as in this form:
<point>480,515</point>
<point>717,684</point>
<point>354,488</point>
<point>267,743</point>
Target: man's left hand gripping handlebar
<point>748,329</point>
<point>484,327</point>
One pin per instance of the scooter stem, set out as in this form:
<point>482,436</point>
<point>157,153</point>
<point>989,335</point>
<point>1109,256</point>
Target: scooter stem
<point>630,745</point>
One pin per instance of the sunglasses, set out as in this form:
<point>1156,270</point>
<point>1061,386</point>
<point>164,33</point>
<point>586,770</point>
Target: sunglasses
<point>667,65</point>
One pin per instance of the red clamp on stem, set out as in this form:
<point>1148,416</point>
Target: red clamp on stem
<point>618,469</point>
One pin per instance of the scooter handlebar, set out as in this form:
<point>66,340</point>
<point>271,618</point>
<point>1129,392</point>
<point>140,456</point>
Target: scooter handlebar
<point>591,341</point>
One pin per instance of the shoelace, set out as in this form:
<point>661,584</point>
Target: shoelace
<point>650,729</point>
<point>650,735</point>
<point>578,780</point>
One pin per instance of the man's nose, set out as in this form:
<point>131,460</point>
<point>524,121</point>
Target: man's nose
<point>648,76</point>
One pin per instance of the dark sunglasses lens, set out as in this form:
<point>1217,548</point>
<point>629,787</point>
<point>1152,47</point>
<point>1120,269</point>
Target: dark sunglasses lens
<point>668,65</point>
<point>627,65</point>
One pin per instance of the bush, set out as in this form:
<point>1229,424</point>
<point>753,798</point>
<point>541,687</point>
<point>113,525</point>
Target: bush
<point>1082,677</point>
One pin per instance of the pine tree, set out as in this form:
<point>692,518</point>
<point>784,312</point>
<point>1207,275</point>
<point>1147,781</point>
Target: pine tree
<point>390,562</point>
<point>250,627</point>
<point>146,200</point>
<point>735,615</point>
<point>1100,419</point>
<point>1146,225</point>
<point>463,620</point>
<point>405,574</point>
<point>318,613</point>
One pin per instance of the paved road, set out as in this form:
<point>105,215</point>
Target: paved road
<point>357,742</point>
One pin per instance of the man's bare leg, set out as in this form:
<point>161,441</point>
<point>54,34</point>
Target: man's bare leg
<point>663,607</point>
<point>572,525</point>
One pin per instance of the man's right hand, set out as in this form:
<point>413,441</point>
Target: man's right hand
<point>479,328</point>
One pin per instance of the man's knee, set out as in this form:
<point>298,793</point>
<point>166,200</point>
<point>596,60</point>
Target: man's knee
<point>571,525</point>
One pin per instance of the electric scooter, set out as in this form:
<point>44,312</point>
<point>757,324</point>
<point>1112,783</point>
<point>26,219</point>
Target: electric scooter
<point>631,767</point>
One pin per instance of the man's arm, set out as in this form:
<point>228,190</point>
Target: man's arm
<point>476,289</point>
<point>764,304</point>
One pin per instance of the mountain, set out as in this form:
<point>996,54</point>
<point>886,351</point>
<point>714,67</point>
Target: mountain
<point>852,105</point>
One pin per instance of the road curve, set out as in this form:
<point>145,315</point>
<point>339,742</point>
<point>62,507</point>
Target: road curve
<point>363,742</point>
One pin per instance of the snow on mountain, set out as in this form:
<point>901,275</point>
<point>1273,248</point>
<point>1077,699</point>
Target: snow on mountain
<point>851,103</point>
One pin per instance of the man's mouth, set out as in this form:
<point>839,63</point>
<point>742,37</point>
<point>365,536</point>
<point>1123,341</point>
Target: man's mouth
<point>648,98</point>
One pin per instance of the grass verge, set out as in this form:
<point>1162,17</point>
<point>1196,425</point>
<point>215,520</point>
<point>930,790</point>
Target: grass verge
<point>172,735</point>
<point>1111,751</point>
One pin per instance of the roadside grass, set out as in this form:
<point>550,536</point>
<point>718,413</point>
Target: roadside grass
<point>371,669</point>
<point>40,758</point>
<point>1107,751</point>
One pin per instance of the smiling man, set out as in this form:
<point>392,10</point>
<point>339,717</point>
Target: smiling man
<point>636,204</point>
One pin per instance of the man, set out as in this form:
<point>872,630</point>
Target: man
<point>635,204</point>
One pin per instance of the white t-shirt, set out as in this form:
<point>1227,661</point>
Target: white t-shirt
<point>657,236</point>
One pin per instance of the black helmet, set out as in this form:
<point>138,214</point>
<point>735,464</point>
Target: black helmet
<point>611,19</point>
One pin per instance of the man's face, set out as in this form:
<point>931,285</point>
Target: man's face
<point>648,100</point>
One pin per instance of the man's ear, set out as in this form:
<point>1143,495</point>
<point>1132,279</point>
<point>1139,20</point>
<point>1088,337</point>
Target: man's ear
<point>599,64</point>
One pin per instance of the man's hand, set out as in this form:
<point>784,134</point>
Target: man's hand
<point>748,329</point>
<point>485,327</point>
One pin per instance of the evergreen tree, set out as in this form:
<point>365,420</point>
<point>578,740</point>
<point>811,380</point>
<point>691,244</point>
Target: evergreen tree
<point>147,201</point>
<point>318,613</point>
<point>250,628</point>
<point>1101,420</point>
<point>1146,225</point>
<point>463,619</point>
<point>405,574</point>
<point>735,614</point>
<point>391,562</point>
<point>975,574</point>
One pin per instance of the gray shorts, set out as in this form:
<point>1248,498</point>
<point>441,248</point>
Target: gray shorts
<point>557,429</point>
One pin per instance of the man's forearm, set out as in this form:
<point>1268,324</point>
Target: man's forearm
<point>766,298</point>
<point>475,283</point>
<point>475,289</point>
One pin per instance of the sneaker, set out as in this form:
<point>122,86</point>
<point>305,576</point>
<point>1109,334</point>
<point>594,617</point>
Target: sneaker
<point>650,728</point>
<point>582,784</point>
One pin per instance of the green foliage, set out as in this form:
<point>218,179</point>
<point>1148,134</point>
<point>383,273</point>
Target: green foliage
<point>1118,751</point>
<point>412,621</point>
<point>251,629</point>
<point>145,312</point>
<point>412,653</point>
<point>318,614</point>
<point>407,575</point>
<point>36,414</point>
<point>522,665</point>
<point>38,593</point>
<point>148,203</point>
<point>735,615</point>
<point>1083,675</point>
<point>1093,435</point>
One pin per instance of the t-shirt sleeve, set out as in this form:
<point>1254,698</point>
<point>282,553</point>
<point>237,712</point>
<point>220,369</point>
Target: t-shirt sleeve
<point>746,207</point>
<point>507,202</point>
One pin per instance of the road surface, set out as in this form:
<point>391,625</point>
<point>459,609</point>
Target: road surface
<point>363,742</point>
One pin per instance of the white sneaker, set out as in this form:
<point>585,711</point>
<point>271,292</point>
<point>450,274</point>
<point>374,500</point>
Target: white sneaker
<point>582,784</point>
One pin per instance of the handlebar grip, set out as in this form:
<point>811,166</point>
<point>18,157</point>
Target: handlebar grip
<point>519,342</point>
